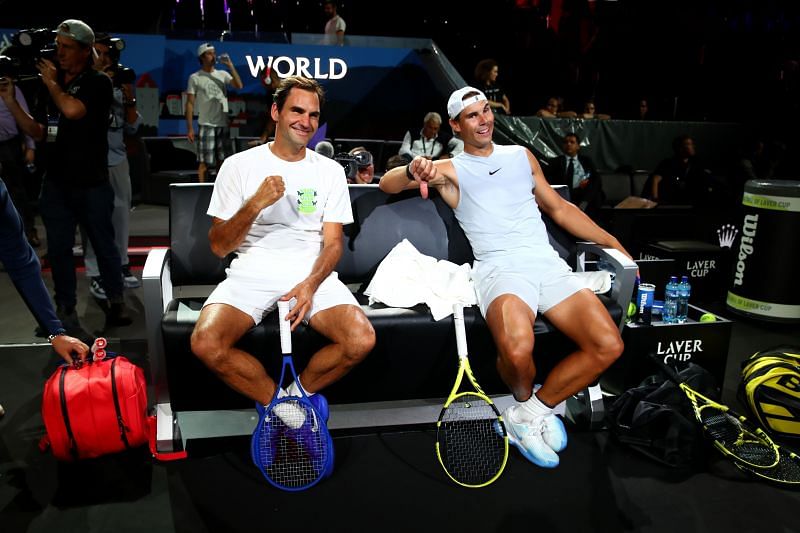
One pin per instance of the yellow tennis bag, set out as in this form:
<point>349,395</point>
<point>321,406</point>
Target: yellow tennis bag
<point>770,388</point>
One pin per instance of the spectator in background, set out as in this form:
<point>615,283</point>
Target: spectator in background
<point>76,189</point>
<point>208,89</point>
<point>642,111</point>
<point>365,166</point>
<point>578,172</point>
<point>125,119</point>
<point>335,27</point>
<point>396,160</point>
<point>553,109</point>
<point>270,80</point>
<point>758,160</point>
<point>429,142</point>
<point>680,179</point>
<point>590,112</point>
<point>17,149</point>
<point>486,75</point>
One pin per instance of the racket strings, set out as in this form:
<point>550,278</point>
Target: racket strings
<point>292,445</point>
<point>471,441</point>
<point>733,437</point>
<point>786,471</point>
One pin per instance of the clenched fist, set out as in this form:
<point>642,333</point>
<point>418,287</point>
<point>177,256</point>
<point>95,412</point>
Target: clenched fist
<point>270,191</point>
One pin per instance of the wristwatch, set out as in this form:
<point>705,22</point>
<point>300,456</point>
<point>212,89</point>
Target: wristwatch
<point>59,333</point>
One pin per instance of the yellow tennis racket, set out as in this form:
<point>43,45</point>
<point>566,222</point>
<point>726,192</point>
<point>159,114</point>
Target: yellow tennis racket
<point>471,438</point>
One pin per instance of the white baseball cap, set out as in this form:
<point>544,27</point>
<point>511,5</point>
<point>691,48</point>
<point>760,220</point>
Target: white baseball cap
<point>203,48</point>
<point>76,30</point>
<point>456,103</point>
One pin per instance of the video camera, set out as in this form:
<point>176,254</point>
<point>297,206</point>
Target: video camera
<point>26,49</point>
<point>352,162</point>
<point>120,75</point>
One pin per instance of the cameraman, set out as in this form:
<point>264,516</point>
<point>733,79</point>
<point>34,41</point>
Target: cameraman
<point>125,120</point>
<point>76,189</point>
<point>364,167</point>
<point>19,132</point>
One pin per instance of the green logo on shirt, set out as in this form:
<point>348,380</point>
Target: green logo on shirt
<point>307,200</point>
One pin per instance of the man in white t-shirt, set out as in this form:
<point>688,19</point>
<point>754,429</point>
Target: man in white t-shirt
<point>208,88</point>
<point>335,27</point>
<point>281,207</point>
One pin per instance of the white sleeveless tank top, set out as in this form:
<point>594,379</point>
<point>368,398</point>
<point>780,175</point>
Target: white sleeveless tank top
<point>496,208</point>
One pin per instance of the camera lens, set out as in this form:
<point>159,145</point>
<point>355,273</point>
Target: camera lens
<point>363,159</point>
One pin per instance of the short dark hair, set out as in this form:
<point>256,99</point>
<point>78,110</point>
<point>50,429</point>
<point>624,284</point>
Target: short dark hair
<point>573,134</point>
<point>300,82</point>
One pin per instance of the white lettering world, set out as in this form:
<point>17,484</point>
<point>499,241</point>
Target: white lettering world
<point>284,66</point>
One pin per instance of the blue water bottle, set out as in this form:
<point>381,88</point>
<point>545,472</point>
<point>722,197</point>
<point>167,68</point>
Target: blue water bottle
<point>670,311</point>
<point>684,291</point>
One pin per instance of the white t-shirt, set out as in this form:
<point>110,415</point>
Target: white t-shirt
<point>316,192</point>
<point>332,27</point>
<point>210,98</point>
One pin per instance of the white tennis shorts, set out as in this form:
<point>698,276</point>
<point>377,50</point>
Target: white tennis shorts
<point>541,283</point>
<point>255,282</point>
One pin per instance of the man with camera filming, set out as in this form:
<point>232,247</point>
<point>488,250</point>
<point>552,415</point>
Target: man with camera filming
<point>208,88</point>
<point>76,188</point>
<point>124,120</point>
<point>358,165</point>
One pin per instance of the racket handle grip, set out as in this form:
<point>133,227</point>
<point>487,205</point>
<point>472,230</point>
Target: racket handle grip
<point>285,327</point>
<point>461,333</point>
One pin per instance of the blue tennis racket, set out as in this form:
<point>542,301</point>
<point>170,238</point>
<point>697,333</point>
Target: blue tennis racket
<point>291,444</point>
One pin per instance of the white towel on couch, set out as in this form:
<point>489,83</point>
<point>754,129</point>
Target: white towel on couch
<point>407,277</point>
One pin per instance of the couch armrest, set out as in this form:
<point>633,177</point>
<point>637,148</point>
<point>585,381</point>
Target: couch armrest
<point>624,268</point>
<point>157,284</point>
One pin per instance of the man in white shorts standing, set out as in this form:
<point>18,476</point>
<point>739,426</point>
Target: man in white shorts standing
<point>281,208</point>
<point>517,272</point>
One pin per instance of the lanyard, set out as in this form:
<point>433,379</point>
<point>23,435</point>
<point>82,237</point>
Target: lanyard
<point>424,147</point>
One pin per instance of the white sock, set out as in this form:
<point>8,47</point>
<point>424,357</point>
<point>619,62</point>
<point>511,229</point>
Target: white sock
<point>294,390</point>
<point>534,407</point>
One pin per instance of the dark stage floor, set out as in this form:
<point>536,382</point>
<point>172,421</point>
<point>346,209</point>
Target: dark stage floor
<point>383,481</point>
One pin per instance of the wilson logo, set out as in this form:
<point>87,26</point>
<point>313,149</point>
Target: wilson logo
<point>745,246</point>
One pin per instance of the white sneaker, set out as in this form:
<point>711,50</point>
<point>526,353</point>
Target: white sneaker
<point>527,436</point>
<point>130,281</point>
<point>554,433</point>
<point>96,288</point>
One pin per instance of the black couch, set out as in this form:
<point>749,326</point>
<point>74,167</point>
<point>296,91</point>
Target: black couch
<point>414,361</point>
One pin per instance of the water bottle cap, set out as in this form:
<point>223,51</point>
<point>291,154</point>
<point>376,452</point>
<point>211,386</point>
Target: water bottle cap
<point>684,278</point>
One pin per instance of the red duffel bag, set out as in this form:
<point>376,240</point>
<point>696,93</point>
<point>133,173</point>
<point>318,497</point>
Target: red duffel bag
<point>96,409</point>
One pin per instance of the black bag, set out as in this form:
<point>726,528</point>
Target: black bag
<point>657,420</point>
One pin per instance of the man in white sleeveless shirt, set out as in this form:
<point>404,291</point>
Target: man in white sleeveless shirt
<point>497,193</point>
